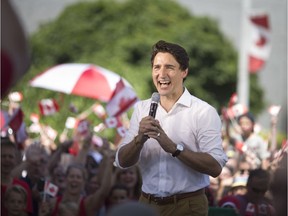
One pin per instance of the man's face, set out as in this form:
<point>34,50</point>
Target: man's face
<point>167,76</point>
<point>38,166</point>
<point>8,159</point>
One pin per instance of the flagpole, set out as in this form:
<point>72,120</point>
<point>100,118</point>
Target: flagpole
<point>243,73</point>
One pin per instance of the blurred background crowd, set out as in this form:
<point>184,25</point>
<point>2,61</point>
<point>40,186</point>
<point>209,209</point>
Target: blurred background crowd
<point>76,175</point>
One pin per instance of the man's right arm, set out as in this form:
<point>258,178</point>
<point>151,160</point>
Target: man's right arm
<point>128,155</point>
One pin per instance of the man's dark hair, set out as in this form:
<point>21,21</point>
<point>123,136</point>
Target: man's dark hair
<point>259,173</point>
<point>176,50</point>
<point>248,115</point>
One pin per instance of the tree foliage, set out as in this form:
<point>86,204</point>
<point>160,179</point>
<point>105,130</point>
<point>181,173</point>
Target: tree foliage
<point>118,35</point>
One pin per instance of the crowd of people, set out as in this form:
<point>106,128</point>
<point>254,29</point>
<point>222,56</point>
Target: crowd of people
<point>93,184</point>
<point>240,175</point>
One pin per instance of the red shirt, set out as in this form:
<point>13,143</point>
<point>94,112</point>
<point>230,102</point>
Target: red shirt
<point>82,211</point>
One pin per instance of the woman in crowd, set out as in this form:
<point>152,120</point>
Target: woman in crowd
<point>131,178</point>
<point>74,201</point>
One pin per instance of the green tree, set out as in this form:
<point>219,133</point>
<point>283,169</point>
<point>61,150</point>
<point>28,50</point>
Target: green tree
<point>118,35</point>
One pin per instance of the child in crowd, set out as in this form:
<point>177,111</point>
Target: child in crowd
<point>15,200</point>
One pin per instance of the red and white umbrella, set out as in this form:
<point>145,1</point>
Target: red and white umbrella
<point>86,80</point>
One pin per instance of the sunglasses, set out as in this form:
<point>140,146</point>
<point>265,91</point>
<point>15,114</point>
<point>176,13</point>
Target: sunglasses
<point>258,191</point>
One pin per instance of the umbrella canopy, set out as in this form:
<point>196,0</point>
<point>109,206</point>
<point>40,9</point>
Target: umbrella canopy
<point>86,80</point>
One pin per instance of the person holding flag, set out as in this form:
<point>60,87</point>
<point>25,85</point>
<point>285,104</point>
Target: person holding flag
<point>73,201</point>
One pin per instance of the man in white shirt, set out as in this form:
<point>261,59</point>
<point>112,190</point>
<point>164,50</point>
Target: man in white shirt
<point>181,147</point>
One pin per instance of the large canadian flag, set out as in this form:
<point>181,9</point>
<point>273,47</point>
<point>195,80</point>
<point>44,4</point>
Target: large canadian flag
<point>122,99</point>
<point>48,106</point>
<point>260,44</point>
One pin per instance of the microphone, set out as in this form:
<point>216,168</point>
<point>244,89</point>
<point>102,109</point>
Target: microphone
<point>154,104</point>
<point>153,107</point>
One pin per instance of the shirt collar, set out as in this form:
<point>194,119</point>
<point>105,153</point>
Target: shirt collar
<point>185,98</point>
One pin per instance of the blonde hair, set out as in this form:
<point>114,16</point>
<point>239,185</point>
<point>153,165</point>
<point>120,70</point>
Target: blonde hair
<point>17,189</point>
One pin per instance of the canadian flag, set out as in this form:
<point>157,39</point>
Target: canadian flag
<point>259,46</point>
<point>48,107</point>
<point>50,189</point>
<point>82,127</point>
<point>122,99</point>
<point>113,122</point>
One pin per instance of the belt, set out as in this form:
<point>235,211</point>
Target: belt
<point>172,198</point>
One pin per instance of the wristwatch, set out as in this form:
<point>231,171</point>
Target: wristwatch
<point>179,149</point>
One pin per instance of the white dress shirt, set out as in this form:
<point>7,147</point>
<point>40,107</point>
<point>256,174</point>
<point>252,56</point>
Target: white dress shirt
<point>192,123</point>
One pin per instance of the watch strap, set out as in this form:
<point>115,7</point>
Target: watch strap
<point>176,153</point>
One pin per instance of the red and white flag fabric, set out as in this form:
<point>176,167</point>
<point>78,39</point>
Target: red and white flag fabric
<point>233,100</point>
<point>85,80</point>
<point>259,46</point>
<point>113,122</point>
<point>236,110</point>
<point>121,131</point>
<point>48,107</point>
<point>122,99</point>
<point>116,122</point>
<point>82,127</point>
<point>50,189</point>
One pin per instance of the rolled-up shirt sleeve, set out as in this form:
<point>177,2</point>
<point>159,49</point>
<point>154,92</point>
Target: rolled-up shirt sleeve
<point>131,133</point>
<point>209,135</point>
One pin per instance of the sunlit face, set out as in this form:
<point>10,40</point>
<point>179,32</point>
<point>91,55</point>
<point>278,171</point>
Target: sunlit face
<point>15,203</point>
<point>118,196</point>
<point>246,125</point>
<point>8,160</point>
<point>75,181</point>
<point>240,190</point>
<point>129,177</point>
<point>167,75</point>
